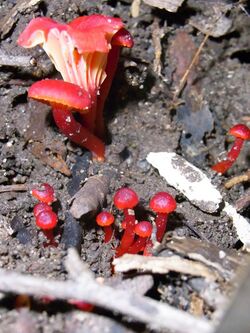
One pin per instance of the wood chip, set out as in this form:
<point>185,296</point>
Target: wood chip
<point>163,265</point>
<point>135,8</point>
<point>91,196</point>
<point>169,5</point>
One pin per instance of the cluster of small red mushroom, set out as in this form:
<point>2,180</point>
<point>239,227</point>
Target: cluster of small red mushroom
<point>85,51</point>
<point>137,235</point>
<point>241,133</point>
<point>46,219</point>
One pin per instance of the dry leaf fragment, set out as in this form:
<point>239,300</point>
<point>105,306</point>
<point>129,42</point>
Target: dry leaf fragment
<point>169,5</point>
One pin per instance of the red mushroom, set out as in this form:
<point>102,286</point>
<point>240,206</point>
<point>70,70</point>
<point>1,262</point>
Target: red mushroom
<point>64,97</point>
<point>126,199</point>
<point>241,133</point>
<point>47,221</point>
<point>80,52</point>
<point>162,203</point>
<point>45,194</point>
<point>105,220</point>
<point>143,230</point>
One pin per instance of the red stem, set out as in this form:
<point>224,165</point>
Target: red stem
<point>129,234</point>
<point>110,69</point>
<point>161,224</point>
<point>235,150</point>
<point>108,231</point>
<point>51,239</point>
<point>223,166</point>
<point>66,122</point>
<point>148,248</point>
<point>138,245</point>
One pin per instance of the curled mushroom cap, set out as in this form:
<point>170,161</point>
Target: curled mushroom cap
<point>61,94</point>
<point>143,229</point>
<point>78,49</point>
<point>240,131</point>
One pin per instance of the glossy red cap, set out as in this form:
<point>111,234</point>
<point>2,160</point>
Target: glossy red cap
<point>104,219</point>
<point>162,202</point>
<point>46,220</point>
<point>125,198</point>
<point>143,229</point>
<point>45,194</point>
<point>61,94</point>
<point>240,131</point>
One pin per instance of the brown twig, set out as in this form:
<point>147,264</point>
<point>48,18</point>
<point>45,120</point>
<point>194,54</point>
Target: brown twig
<point>245,177</point>
<point>187,72</point>
<point>83,286</point>
<point>13,188</point>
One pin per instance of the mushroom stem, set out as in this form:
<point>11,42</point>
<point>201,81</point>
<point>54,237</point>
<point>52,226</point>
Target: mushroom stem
<point>108,233</point>
<point>138,245</point>
<point>110,70</point>
<point>161,224</point>
<point>128,236</point>
<point>66,122</point>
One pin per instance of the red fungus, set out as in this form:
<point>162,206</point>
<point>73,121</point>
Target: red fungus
<point>142,229</point>
<point>41,207</point>
<point>105,220</point>
<point>85,52</point>
<point>126,199</point>
<point>47,221</point>
<point>162,203</point>
<point>63,96</point>
<point>241,133</point>
<point>46,194</point>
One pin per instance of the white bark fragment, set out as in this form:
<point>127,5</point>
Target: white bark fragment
<point>169,5</point>
<point>188,179</point>
<point>197,187</point>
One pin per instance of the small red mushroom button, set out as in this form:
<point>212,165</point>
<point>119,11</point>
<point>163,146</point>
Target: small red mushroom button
<point>162,203</point>
<point>105,220</point>
<point>126,199</point>
<point>44,194</point>
<point>143,230</point>
<point>241,133</point>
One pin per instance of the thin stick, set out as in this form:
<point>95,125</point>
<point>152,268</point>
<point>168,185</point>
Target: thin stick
<point>85,287</point>
<point>186,74</point>
<point>245,177</point>
<point>13,188</point>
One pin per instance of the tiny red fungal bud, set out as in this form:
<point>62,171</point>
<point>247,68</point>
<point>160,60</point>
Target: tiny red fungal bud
<point>241,133</point>
<point>105,220</point>
<point>126,199</point>
<point>162,203</point>
<point>45,194</point>
<point>41,207</point>
<point>46,220</point>
<point>144,230</point>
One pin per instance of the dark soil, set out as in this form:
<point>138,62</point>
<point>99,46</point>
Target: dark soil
<point>140,119</point>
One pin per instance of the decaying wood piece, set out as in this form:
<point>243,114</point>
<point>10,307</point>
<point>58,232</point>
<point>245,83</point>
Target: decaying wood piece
<point>225,262</point>
<point>83,286</point>
<point>169,5</point>
<point>9,20</point>
<point>245,177</point>
<point>13,188</point>
<point>91,196</point>
<point>163,265</point>
<point>135,8</point>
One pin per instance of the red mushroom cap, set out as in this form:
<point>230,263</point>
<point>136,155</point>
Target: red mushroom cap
<point>105,219</point>
<point>125,198</point>
<point>162,202</point>
<point>240,131</point>
<point>45,194</point>
<point>46,220</point>
<point>60,93</point>
<point>41,207</point>
<point>143,229</point>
